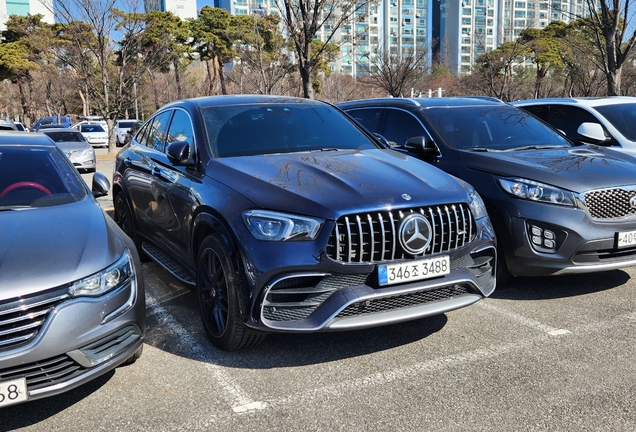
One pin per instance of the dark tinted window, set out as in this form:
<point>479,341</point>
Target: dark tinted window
<point>622,116</point>
<point>400,126</point>
<point>37,177</point>
<point>500,127</point>
<point>158,130</point>
<point>280,128</point>
<point>65,136</point>
<point>568,119</point>
<point>125,124</point>
<point>540,111</point>
<point>180,128</point>
<point>91,128</point>
<point>367,117</point>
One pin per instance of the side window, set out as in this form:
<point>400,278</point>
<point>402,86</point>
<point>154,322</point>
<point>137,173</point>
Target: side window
<point>540,111</point>
<point>142,135</point>
<point>568,119</point>
<point>400,126</point>
<point>367,117</point>
<point>158,131</point>
<point>180,128</point>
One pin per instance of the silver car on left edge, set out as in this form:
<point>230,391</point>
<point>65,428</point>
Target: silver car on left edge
<point>71,288</point>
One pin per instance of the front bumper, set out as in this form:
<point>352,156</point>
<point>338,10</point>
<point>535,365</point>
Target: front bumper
<point>330,295</point>
<point>582,245</point>
<point>80,340</point>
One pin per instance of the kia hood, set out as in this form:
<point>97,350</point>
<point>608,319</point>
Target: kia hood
<point>578,169</point>
<point>332,183</point>
<point>49,247</point>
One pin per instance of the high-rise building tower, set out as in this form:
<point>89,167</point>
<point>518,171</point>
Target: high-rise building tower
<point>181,8</point>
<point>24,8</point>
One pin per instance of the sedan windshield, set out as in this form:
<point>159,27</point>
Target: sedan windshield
<point>65,136</point>
<point>622,116</point>
<point>37,177</point>
<point>492,128</point>
<point>280,128</point>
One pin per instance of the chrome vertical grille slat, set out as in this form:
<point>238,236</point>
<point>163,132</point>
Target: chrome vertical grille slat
<point>452,227</point>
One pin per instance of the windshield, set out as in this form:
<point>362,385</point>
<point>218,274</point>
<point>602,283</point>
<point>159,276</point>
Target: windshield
<point>65,136</point>
<point>622,116</point>
<point>240,130</point>
<point>501,127</point>
<point>125,124</point>
<point>37,177</point>
<point>92,128</point>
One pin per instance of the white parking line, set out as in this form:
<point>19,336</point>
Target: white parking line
<point>528,322</point>
<point>430,366</point>
<point>234,394</point>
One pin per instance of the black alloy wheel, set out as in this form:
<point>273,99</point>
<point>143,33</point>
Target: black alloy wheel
<point>217,290</point>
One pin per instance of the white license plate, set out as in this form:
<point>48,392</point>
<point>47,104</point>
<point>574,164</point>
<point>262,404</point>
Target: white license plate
<point>626,238</point>
<point>13,391</point>
<point>414,270</point>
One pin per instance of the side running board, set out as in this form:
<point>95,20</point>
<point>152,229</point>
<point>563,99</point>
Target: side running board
<point>165,261</point>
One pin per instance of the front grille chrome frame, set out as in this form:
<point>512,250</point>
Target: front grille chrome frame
<point>371,237</point>
<point>610,204</point>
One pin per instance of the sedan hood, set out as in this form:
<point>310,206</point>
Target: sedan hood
<point>578,169</point>
<point>329,184</point>
<point>48,247</point>
<point>68,146</point>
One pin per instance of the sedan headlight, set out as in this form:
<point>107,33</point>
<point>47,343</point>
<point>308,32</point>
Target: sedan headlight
<point>106,280</point>
<point>275,226</point>
<point>535,191</point>
<point>88,152</point>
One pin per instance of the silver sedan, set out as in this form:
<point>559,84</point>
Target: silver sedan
<point>74,146</point>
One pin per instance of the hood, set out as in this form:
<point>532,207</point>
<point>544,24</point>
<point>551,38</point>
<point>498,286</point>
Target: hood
<point>329,184</point>
<point>68,146</point>
<point>47,247</point>
<point>578,169</point>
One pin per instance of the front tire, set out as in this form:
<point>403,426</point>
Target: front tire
<point>218,287</point>
<point>126,221</point>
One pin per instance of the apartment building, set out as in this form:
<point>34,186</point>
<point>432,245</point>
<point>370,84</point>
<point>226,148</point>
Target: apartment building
<point>181,8</point>
<point>25,7</point>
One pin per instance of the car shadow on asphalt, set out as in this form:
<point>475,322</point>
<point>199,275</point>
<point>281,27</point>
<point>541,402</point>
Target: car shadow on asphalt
<point>552,287</point>
<point>30,413</point>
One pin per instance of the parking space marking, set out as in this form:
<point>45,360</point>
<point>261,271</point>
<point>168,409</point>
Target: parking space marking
<point>430,366</point>
<point>233,393</point>
<point>523,320</point>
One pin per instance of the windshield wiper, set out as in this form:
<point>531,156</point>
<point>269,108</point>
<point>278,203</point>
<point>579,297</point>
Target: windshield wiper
<point>478,149</point>
<point>536,147</point>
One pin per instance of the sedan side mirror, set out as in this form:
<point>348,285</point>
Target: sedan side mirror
<point>593,132</point>
<point>179,153</point>
<point>422,146</point>
<point>100,186</point>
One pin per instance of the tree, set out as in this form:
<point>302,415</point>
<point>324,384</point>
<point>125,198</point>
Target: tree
<point>303,19</point>
<point>545,46</point>
<point>613,36</point>
<point>397,72</point>
<point>263,60</point>
<point>494,71</point>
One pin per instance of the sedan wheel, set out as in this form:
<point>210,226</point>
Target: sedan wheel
<point>217,290</point>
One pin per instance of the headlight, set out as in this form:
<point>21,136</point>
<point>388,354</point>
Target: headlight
<point>274,226</point>
<point>88,152</point>
<point>535,191</point>
<point>476,204</point>
<point>106,280</point>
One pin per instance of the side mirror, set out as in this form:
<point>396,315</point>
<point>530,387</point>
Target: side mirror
<point>593,132</point>
<point>179,153</point>
<point>100,186</point>
<point>421,145</point>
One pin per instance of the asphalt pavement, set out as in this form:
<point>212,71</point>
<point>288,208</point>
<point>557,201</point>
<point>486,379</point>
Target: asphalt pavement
<point>548,354</point>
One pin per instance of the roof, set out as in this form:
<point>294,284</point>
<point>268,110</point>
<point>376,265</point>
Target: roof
<point>456,101</point>
<point>584,101</point>
<point>25,138</point>
<point>210,101</point>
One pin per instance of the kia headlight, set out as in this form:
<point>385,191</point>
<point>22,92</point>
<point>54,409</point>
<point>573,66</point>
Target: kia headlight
<point>106,280</point>
<point>275,226</point>
<point>539,192</point>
